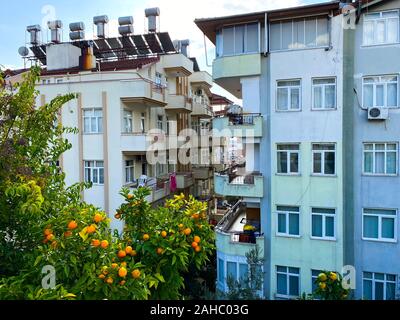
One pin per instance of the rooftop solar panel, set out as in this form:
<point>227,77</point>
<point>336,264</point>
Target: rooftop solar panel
<point>40,53</point>
<point>166,42</point>
<point>153,43</point>
<point>128,45</point>
<point>140,44</point>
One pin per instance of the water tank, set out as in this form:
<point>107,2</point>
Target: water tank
<point>55,27</point>
<point>123,21</point>
<point>34,32</point>
<point>125,30</point>
<point>77,35</point>
<point>152,14</point>
<point>100,22</point>
<point>76,26</point>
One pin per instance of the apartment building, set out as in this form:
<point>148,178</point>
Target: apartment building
<point>136,95</point>
<point>313,159</point>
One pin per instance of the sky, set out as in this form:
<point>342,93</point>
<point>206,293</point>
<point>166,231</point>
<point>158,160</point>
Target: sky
<point>177,18</point>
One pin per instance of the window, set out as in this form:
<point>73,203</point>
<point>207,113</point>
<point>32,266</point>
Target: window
<point>381,27</point>
<point>324,94</point>
<point>379,286</point>
<point>128,122</point>
<point>221,271</point>
<point>288,282</point>
<point>243,272</point>
<point>231,270</point>
<point>299,34</point>
<point>238,39</point>
<point>288,222</point>
<point>380,225</point>
<point>94,172</point>
<point>380,91</point>
<point>129,171</point>
<point>59,80</point>
<point>288,158</point>
<point>288,95</point>
<point>143,122</point>
<point>324,159</point>
<point>160,122</point>
<point>323,223</point>
<point>93,120</point>
<point>158,79</point>
<point>380,158</point>
<point>314,276</point>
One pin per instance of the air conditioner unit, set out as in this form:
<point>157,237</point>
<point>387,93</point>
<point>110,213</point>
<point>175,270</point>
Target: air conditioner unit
<point>378,113</point>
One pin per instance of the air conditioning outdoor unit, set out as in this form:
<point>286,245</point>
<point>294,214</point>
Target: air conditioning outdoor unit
<point>378,113</point>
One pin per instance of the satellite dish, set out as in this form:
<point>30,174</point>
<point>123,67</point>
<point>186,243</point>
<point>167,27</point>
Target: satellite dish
<point>23,51</point>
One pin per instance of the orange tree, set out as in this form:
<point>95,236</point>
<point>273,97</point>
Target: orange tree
<point>329,287</point>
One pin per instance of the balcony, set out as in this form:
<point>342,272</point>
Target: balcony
<point>142,92</point>
<point>134,142</point>
<point>239,125</point>
<point>250,185</point>
<point>227,71</point>
<point>179,103</point>
<point>159,187</point>
<point>202,173</point>
<point>184,180</point>
<point>177,65</point>
<point>201,108</point>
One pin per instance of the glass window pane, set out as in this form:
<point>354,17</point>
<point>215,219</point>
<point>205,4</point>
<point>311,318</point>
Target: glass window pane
<point>370,227</point>
<point>252,38</point>
<point>281,283</point>
<point>322,32</point>
<point>231,270</point>
<point>239,39</point>
<point>368,160</point>
<point>243,272</point>
<point>380,96</point>
<point>288,209</point>
<point>281,223</point>
<point>100,125</point>
<point>221,270</point>
<point>329,163</point>
<point>330,96</point>
<point>275,36</point>
<point>298,35</point>
<point>294,224</point>
<point>317,163</point>
<point>294,162</point>
<point>380,31</point>
<point>283,102</point>
<point>379,289</point>
<point>316,225</point>
<point>295,98</point>
<point>379,162</point>
<point>218,46</point>
<point>286,35</point>
<point>391,163</point>
<point>93,124</point>
<point>392,30</point>
<point>228,37</point>
<point>368,32</point>
<point>390,291</point>
<point>281,269</point>
<point>392,95</point>
<point>293,286</point>
<point>367,289</point>
<point>329,227</point>
<point>87,175</point>
<point>95,176</point>
<point>388,228</point>
<point>391,146</point>
<point>282,162</point>
<point>86,125</point>
<point>318,97</point>
<point>101,176</point>
<point>368,96</point>
<point>311,32</point>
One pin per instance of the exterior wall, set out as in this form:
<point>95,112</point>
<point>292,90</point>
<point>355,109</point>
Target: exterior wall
<point>374,191</point>
<point>304,190</point>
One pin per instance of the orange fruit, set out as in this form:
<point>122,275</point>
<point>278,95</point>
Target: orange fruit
<point>72,225</point>
<point>91,229</point>
<point>110,280</point>
<point>46,232</point>
<point>187,231</point>
<point>95,242</point>
<point>133,253</point>
<point>194,245</point>
<point>121,254</point>
<point>136,273</point>
<point>128,249</point>
<point>122,282</point>
<point>67,234</point>
<point>102,276</point>
<point>195,216</point>
<point>123,264</point>
<point>50,237</point>
<point>159,251</point>
<point>197,249</point>
<point>163,234</point>
<point>114,265</point>
<point>98,218</point>
<point>104,244</point>
<point>180,226</point>
<point>117,216</point>
<point>196,239</point>
<point>122,272</point>
<point>146,237</point>
<point>130,196</point>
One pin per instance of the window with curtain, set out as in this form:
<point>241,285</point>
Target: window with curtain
<point>238,39</point>
<point>380,225</point>
<point>288,221</point>
<point>94,172</point>
<point>288,95</point>
<point>381,28</point>
<point>288,282</point>
<point>324,158</point>
<point>379,286</point>
<point>288,158</point>
<point>380,158</point>
<point>93,120</point>
<point>129,171</point>
<point>128,121</point>
<point>299,34</point>
<point>324,94</point>
<point>380,91</point>
<point>323,223</point>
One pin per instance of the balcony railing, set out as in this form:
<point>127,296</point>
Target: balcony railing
<point>184,180</point>
<point>239,125</point>
<point>248,185</point>
<point>160,187</point>
<point>143,91</point>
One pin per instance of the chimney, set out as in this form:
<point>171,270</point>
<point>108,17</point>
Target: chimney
<point>55,27</point>
<point>77,31</point>
<point>34,31</point>
<point>125,25</point>
<point>152,14</point>
<point>100,22</point>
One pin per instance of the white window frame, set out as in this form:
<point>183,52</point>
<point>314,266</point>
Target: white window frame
<point>127,116</point>
<point>129,168</point>
<point>323,87</point>
<point>92,116</point>
<point>288,153</point>
<point>287,215</point>
<point>324,216</point>
<point>380,217</point>
<point>289,95</point>
<point>288,274</point>
<point>375,21</point>
<point>323,159</point>
<point>92,169</point>
<point>384,281</point>
<point>385,85</point>
<point>374,151</point>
